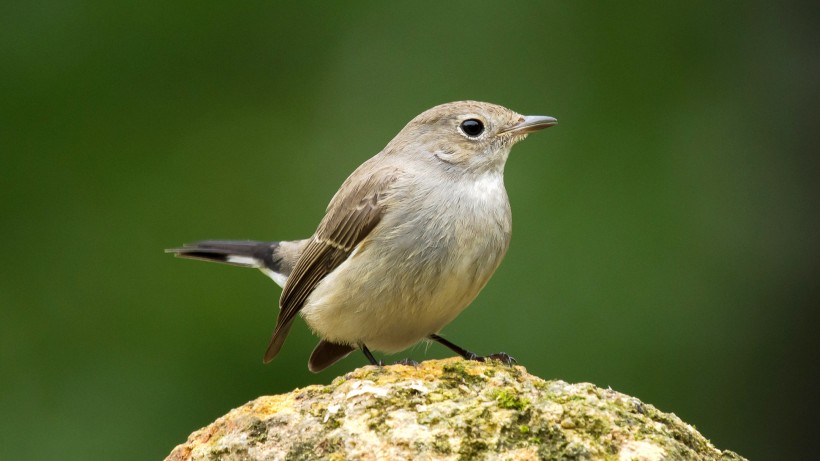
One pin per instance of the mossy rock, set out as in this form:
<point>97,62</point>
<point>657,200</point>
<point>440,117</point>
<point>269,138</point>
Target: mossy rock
<point>448,410</point>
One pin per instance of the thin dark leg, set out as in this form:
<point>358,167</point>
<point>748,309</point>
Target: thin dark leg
<point>379,363</point>
<point>502,356</point>
<point>370,357</point>
<point>457,349</point>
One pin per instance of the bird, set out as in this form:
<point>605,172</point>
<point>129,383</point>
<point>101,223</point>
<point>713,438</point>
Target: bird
<point>406,243</point>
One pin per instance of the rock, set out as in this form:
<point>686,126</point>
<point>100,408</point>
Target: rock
<point>448,410</point>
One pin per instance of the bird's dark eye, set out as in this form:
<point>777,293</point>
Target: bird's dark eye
<point>472,127</point>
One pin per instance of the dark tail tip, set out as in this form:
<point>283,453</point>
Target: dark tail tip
<point>243,253</point>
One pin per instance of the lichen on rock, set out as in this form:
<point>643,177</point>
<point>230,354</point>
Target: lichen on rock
<point>448,410</point>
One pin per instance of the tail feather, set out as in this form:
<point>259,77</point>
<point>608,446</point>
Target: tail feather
<point>264,256</point>
<point>326,354</point>
<point>275,259</point>
<point>243,253</point>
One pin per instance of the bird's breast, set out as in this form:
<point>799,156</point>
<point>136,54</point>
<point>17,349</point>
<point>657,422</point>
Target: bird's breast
<point>420,267</point>
<point>453,237</point>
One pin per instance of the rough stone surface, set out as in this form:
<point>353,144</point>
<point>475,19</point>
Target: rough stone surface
<point>448,410</point>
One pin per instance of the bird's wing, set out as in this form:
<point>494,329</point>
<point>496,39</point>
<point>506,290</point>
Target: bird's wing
<point>352,214</point>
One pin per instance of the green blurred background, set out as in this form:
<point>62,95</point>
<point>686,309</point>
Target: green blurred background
<point>665,232</point>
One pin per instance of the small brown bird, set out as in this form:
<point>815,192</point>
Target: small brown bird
<point>407,242</point>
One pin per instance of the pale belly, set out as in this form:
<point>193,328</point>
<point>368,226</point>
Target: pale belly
<point>395,291</point>
<point>387,308</point>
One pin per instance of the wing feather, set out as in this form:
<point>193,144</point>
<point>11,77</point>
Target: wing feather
<point>352,214</point>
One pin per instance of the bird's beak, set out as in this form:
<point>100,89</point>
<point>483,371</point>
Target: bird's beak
<point>531,123</point>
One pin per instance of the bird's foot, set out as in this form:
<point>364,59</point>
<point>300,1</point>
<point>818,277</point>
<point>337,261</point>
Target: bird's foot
<point>406,362</point>
<point>502,357</point>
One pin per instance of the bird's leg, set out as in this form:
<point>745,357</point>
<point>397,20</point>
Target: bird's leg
<point>501,356</point>
<point>457,349</point>
<point>379,363</point>
<point>370,357</point>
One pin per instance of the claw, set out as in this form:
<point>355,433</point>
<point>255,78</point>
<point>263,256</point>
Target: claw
<point>502,357</point>
<point>406,362</point>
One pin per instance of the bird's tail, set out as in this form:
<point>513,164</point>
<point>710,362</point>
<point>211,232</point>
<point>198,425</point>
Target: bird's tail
<point>264,256</point>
